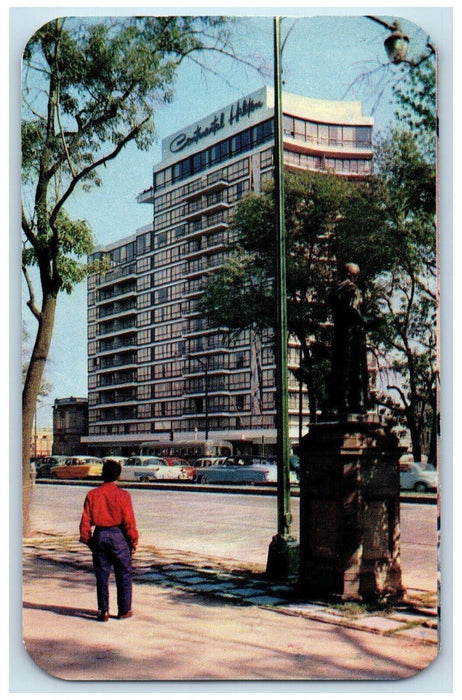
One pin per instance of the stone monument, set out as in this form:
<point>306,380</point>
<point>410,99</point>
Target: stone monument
<point>349,476</point>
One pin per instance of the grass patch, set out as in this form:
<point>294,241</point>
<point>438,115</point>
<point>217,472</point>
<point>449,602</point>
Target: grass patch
<point>422,599</point>
<point>353,610</point>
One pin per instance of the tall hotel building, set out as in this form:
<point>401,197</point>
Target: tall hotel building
<point>154,365</point>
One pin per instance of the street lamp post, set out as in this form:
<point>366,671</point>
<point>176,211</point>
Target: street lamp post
<point>283,549</point>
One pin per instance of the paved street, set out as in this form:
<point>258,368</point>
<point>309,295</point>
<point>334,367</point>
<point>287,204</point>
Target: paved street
<point>236,527</point>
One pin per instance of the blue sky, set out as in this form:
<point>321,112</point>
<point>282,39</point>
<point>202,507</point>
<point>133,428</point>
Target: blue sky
<point>324,55</point>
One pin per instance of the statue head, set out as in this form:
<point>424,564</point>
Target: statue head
<point>352,271</point>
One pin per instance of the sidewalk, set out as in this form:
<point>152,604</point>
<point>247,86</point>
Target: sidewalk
<point>201,618</point>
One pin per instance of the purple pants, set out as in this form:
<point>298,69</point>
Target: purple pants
<point>111,549</point>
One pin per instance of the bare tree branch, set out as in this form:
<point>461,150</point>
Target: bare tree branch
<point>96,164</point>
<point>31,301</point>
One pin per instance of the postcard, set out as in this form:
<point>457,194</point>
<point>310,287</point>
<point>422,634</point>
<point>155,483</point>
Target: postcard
<point>232,236</point>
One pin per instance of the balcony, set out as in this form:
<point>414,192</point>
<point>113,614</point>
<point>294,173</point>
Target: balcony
<point>110,346</point>
<point>200,209</point>
<point>120,271</point>
<point>214,183</point>
<point>117,397</point>
<point>116,292</point>
<point>116,327</point>
<point>118,414</point>
<point>117,310</point>
<point>146,197</point>
<point>108,363</point>
<point>109,381</point>
<point>208,244</point>
<point>199,228</point>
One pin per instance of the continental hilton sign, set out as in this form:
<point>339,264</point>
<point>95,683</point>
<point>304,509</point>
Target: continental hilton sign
<point>237,116</point>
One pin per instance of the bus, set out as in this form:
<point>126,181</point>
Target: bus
<point>187,449</point>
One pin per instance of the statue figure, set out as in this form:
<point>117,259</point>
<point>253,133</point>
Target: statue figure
<point>349,376</point>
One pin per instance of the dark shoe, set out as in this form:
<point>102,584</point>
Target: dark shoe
<point>124,616</point>
<point>103,617</point>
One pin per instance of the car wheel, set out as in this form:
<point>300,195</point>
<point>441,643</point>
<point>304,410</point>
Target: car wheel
<point>54,475</point>
<point>204,480</point>
<point>420,487</point>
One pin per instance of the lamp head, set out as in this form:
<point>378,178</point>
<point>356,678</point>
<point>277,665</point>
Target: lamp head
<point>396,45</point>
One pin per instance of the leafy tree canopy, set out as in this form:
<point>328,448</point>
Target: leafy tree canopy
<point>90,87</point>
<point>416,111</point>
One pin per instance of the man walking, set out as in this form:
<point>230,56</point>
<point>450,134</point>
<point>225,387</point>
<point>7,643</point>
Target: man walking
<point>109,510</point>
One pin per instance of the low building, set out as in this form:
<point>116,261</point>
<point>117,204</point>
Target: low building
<point>41,443</point>
<point>70,424</point>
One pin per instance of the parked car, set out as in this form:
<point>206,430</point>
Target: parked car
<point>43,466</point>
<point>208,461</point>
<point>418,476</point>
<point>78,467</point>
<point>188,472</point>
<point>294,468</point>
<point>238,470</point>
<point>149,469</point>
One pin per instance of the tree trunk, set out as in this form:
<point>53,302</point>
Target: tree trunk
<point>29,397</point>
<point>433,447</point>
<point>415,435</point>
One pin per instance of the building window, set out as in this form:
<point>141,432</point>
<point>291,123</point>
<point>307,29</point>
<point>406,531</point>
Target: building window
<point>144,337</point>
<point>144,374</point>
<point>143,319</point>
<point>144,300</point>
<point>363,135</point>
<point>144,355</point>
<point>143,244</point>
<point>143,264</point>
<point>161,295</point>
<point>144,410</point>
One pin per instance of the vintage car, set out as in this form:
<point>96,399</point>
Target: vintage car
<point>78,467</point>
<point>238,470</point>
<point>149,469</point>
<point>188,472</point>
<point>44,465</point>
<point>418,476</point>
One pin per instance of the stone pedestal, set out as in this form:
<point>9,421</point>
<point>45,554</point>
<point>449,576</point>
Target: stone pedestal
<point>350,512</point>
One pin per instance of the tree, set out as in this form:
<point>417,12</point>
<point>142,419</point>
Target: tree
<point>407,292</point>
<point>90,87</point>
<point>241,294</point>
<point>386,225</point>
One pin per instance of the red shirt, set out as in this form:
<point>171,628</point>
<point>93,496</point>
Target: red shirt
<point>107,506</point>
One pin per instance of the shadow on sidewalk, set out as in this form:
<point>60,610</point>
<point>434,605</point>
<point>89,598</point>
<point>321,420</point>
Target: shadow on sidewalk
<point>62,610</point>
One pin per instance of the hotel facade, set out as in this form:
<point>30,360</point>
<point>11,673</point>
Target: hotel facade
<point>156,369</point>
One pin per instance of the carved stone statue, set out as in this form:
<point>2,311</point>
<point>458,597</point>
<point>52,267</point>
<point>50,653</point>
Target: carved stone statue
<point>349,376</point>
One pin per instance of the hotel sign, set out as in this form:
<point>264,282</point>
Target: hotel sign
<point>241,110</point>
